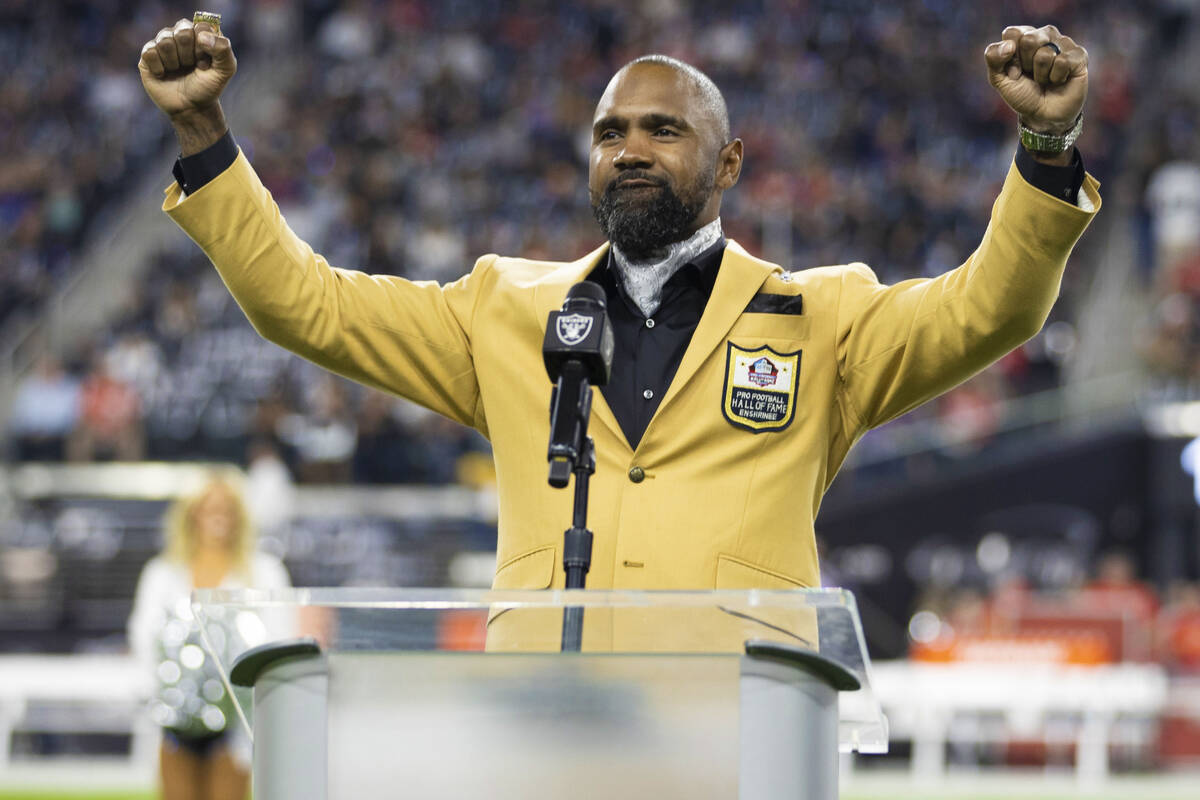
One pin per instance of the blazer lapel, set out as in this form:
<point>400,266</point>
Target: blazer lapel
<point>549,296</point>
<point>740,276</point>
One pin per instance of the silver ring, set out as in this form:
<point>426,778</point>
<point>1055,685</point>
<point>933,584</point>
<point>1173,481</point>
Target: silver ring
<point>1057,50</point>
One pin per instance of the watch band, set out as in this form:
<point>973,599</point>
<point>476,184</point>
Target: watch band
<point>1050,143</point>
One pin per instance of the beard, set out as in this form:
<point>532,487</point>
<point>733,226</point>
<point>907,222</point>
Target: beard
<point>642,222</point>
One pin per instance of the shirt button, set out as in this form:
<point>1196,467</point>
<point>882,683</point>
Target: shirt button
<point>648,394</point>
<point>650,323</point>
<point>637,474</point>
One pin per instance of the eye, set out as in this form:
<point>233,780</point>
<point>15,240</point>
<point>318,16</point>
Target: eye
<point>665,132</point>
<point>608,135</point>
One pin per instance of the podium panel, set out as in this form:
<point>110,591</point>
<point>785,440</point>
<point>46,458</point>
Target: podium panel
<point>457,694</point>
<point>511,727</point>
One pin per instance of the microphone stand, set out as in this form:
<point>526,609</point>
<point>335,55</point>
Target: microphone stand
<point>577,548</point>
<point>572,450</point>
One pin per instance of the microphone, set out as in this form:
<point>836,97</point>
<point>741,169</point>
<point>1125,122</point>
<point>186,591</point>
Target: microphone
<point>580,332</point>
<point>577,351</point>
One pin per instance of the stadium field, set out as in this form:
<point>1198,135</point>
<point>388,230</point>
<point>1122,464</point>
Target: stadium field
<point>845,796</point>
<point>98,781</point>
<point>76,796</point>
<point>890,786</point>
<point>1018,785</point>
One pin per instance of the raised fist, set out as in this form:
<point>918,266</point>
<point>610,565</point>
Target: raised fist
<point>1041,74</point>
<point>185,68</point>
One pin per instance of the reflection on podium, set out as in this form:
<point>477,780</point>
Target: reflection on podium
<point>747,694</point>
<point>713,629</point>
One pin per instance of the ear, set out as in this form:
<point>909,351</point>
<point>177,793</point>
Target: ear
<point>729,164</point>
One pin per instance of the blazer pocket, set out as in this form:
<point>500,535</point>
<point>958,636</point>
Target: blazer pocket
<point>533,569</point>
<point>736,573</point>
<point>768,303</point>
<point>771,326</point>
<point>783,624</point>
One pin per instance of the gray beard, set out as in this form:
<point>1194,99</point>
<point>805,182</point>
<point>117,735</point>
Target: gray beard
<point>644,279</point>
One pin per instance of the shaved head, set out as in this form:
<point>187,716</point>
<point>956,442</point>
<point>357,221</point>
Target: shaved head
<point>710,95</point>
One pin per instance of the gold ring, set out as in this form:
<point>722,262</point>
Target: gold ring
<point>210,18</point>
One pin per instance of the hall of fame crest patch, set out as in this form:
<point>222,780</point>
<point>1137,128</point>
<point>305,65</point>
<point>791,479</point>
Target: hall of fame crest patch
<point>760,388</point>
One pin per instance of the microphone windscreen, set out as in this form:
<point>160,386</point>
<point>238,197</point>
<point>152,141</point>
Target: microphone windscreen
<point>588,290</point>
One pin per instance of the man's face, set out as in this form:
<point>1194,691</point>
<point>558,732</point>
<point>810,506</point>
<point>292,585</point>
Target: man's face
<point>655,147</point>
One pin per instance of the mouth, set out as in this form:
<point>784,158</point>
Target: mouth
<point>636,183</point>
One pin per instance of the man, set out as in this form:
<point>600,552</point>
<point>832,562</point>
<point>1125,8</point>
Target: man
<point>738,387</point>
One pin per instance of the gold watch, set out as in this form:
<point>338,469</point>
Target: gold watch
<point>1050,144</point>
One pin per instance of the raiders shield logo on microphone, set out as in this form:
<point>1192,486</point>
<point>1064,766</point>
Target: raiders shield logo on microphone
<point>573,328</point>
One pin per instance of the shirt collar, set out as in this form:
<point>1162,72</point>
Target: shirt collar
<point>700,273</point>
<point>643,281</point>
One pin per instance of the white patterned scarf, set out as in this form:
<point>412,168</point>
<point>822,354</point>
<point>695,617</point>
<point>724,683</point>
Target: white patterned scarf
<point>643,281</point>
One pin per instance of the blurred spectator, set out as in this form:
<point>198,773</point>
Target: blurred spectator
<point>447,449</point>
<point>1173,197</point>
<point>210,542</point>
<point>968,614</point>
<point>270,495</point>
<point>1170,344</point>
<point>1117,590</point>
<point>272,25</point>
<point>1179,628</point>
<point>969,414</point>
<point>349,33</point>
<point>322,439</point>
<point>385,451</point>
<point>110,421</point>
<point>1011,594</point>
<point>1173,341</point>
<point>45,410</point>
<point>136,360</point>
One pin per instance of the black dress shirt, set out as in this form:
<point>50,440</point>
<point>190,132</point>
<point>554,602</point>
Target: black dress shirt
<point>647,351</point>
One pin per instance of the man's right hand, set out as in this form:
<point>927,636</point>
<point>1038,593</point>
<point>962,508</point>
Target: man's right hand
<point>184,69</point>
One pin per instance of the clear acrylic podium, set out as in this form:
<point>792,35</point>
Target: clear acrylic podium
<point>352,693</point>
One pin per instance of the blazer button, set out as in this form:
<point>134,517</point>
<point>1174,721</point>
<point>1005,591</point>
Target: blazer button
<point>637,474</point>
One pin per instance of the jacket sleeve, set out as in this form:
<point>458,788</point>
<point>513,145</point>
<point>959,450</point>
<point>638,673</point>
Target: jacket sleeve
<point>411,338</point>
<point>899,346</point>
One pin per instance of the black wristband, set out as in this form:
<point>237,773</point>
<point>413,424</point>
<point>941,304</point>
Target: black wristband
<point>198,169</point>
<point>1061,182</point>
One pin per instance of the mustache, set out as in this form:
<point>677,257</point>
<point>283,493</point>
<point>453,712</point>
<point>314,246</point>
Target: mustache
<point>634,175</point>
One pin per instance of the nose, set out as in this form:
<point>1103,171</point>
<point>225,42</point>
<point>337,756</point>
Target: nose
<point>634,153</point>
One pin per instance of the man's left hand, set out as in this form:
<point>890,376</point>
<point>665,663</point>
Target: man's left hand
<point>1046,88</point>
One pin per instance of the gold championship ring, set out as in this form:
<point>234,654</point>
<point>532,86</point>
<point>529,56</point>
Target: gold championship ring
<point>210,18</point>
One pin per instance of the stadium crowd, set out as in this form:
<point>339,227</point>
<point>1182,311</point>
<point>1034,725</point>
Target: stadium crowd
<point>1171,209</point>
<point>76,133</point>
<point>435,132</point>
